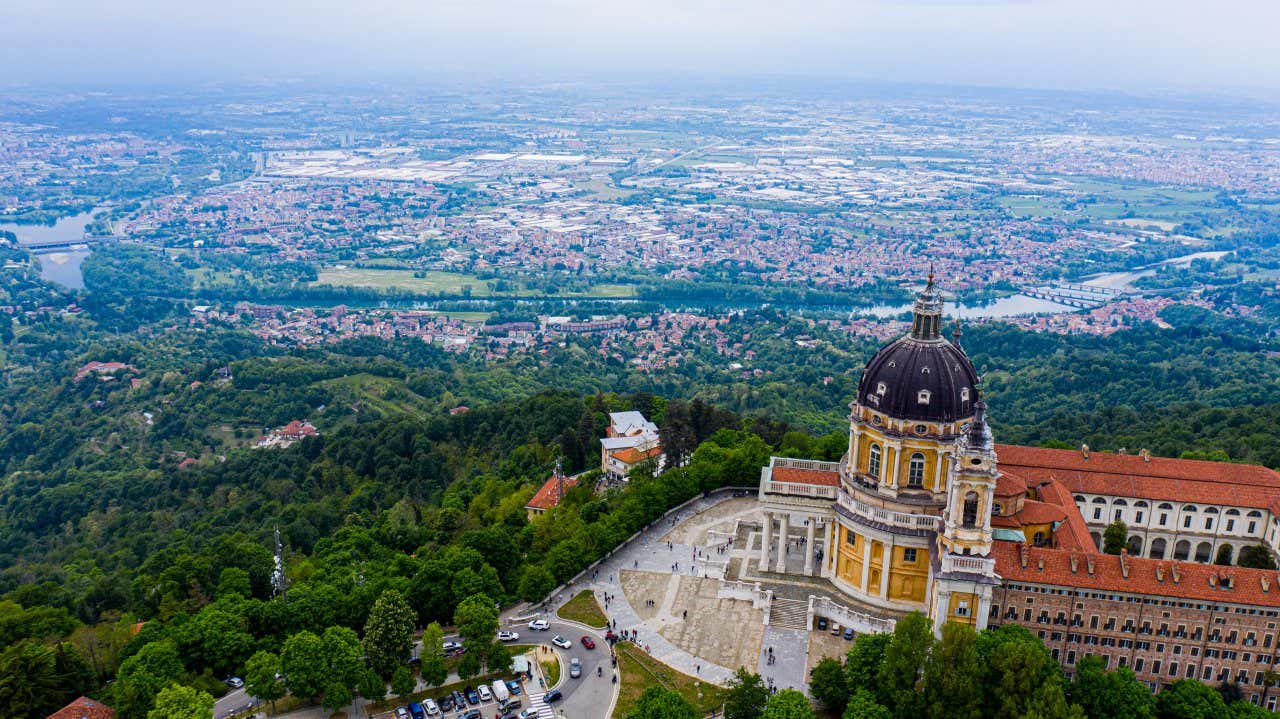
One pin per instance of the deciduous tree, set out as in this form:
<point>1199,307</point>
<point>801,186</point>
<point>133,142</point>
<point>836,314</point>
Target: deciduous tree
<point>747,696</point>
<point>788,704</point>
<point>388,633</point>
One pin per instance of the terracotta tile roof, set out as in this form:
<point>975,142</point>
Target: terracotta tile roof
<point>1010,484</point>
<point>825,478</point>
<point>1073,533</point>
<point>84,708</point>
<point>1034,512</point>
<point>1154,577</point>
<point>631,455</point>
<point>548,495</point>
<point>1159,478</point>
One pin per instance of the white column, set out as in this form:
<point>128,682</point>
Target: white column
<point>766,538</point>
<point>983,609</point>
<point>897,463</point>
<point>866,564</point>
<point>809,548</point>
<point>937,471</point>
<point>884,571</point>
<point>829,556</point>
<point>941,610</point>
<point>783,527</point>
<point>855,444</point>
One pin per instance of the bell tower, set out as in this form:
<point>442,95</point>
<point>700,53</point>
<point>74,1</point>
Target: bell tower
<point>965,574</point>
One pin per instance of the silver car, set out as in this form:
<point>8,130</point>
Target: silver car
<point>575,668</point>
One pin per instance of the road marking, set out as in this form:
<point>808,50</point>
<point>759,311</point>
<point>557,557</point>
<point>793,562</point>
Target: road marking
<point>536,703</point>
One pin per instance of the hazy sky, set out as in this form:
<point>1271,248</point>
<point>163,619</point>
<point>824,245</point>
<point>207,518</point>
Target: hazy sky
<point>1089,44</point>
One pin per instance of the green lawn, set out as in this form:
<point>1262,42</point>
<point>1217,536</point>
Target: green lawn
<point>584,608</point>
<point>385,395</point>
<point>551,670</point>
<point>640,671</point>
<point>449,283</point>
<point>429,282</point>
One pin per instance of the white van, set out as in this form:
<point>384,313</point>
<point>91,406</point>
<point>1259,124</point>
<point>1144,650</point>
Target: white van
<point>500,691</point>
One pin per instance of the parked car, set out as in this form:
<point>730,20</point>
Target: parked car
<point>510,705</point>
<point>500,691</point>
<point>514,686</point>
<point>552,696</point>
<point>485,694</point>
<point>450,647</point>
<point>561,642</point>
<point>429,706</point>
<point>509,715</point>
<point>402,713</point>
<point>835,629</point>
<point>822,624</point>
<point>415,710</point>
<point>446,703</point>
<point>575,668</point>
<point>505,636</point>
<point>848,633</point>
<point>529,713</point>
<point>459,701</point>
<point>539,625</point>
<point>472,697</point>
<point>235,682</point>
<point>588,642</point>
<point>472,714</point>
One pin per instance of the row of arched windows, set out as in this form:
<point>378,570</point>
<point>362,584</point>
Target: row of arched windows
<point>915,466</point>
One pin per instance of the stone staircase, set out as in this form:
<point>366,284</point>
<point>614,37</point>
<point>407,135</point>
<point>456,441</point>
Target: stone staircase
<point>789,614</point>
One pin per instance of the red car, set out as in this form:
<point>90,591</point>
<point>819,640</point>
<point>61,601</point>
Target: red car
<point>588,642</point>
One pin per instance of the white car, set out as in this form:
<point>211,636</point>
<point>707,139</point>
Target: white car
<point>485,694</point>
<point>235,682</point>
<point>451,647</point>
<point>539,625</point>
<point>561,642</point>
<point>505,636</point>
<point>429,706</point>
<point>575,668</point>
<point>529,713</point>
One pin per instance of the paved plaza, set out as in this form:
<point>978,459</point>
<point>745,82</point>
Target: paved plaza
<point>666,583</point>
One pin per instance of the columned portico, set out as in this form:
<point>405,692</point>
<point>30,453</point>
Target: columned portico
<point>766,538</point>
<point>783,529</point>
<point>809,547</point>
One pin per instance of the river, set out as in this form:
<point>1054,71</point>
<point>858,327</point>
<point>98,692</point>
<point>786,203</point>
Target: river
<point>1124,280</point>
<point>60,266</point>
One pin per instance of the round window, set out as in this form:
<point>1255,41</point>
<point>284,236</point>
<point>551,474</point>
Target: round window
<point>875,419</point>
<point>921,429</point>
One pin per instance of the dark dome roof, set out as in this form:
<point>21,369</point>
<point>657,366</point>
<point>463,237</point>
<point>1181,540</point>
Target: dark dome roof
<point>923,361</point>
<point>908,365</point>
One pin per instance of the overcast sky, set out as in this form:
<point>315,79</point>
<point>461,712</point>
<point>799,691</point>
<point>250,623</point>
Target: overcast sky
<point>1152,45</point>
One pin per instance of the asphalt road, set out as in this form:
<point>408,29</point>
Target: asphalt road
<point>587,697</point>
<point>231,702</point>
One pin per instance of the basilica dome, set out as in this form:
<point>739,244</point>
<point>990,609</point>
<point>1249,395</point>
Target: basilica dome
<point>922,376</point>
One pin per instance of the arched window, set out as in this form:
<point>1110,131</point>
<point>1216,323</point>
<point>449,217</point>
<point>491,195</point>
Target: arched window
<point>964,394</point>
<point>970,519</point>
<point>1165,505</point>
<point>1203,552</point>
<point>1182,550</point>
<point>923,396</point>
<point>880,388</point>
<point>1157,549</point>
<point>873,461</point>
<point>915,471</point>
<point>1120,503</point>
<point>997,508</point>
